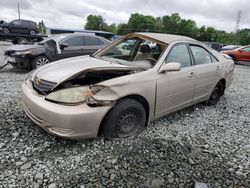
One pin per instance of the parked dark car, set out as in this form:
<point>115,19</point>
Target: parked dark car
<point>214,45</point>
<point>19,26</point>
<point>53,48</point>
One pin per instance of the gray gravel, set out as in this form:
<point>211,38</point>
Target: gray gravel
<point>207,144</point>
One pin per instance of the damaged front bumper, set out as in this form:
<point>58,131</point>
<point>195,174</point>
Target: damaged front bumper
<point>75,122</point>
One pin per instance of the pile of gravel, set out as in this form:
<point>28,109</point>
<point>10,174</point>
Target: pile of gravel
<point>209,144</point>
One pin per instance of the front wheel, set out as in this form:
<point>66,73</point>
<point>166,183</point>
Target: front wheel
<point>216,94</point>
<point>39,61</point>
<point>126,119</point>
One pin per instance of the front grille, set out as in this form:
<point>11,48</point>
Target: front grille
<point>43,86</point>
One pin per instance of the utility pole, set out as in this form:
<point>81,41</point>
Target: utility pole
<point>18,8</point>
<point>239,14</point>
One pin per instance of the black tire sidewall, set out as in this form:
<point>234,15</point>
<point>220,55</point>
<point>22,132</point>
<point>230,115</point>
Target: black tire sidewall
<point>123,106</point>
<point>215,101</point>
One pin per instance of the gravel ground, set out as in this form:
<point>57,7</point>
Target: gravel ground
<point>209,144</point>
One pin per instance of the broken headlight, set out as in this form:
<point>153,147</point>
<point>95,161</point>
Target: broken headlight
<point>73,96</point>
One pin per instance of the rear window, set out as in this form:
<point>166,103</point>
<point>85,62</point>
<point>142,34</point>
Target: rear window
<point>201,56</point>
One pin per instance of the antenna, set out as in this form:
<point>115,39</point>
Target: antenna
<point>239,14</point>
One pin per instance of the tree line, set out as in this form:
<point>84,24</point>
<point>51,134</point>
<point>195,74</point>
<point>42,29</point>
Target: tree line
<point>171,24</point>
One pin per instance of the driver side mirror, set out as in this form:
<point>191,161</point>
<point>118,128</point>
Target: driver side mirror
<point>172,66</point>
<point>63,45</point>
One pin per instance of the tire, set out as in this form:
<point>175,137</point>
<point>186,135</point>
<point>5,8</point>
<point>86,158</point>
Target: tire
<point>216,94</point>
<point>6,30</point>
<point>32,32</point>
<point>126,119</point>
<point>39,61</point>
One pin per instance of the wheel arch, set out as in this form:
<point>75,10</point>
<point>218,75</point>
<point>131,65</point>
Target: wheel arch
<point>142,100</point>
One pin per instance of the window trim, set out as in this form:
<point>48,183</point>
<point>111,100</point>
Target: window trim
<point>180,43</point>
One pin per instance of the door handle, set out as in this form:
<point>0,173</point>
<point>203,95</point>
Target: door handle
<point>218,68</point>
<point>191,74</point>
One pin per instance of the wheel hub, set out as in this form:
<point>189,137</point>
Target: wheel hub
<point>127,124</point>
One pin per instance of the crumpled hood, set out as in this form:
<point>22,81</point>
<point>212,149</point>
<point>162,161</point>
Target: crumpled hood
<point>61,70</point>
<point>22,47</point>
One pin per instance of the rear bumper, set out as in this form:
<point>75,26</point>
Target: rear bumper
<point>75,122</point>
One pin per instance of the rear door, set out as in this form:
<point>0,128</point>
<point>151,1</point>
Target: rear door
<point>74,47</point>
<point>207,70</point>
<point>175,89</point>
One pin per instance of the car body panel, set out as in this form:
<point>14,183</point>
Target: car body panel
<point>164,92</point>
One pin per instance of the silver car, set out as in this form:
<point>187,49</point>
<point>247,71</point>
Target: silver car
<point>118,90</point>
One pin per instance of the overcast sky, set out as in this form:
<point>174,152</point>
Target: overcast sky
<point>220,14</point>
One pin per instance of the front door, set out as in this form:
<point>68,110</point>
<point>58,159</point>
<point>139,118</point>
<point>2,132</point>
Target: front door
<point>175,89</point>
<point>74,47</point>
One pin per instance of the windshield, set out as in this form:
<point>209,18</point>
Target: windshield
<point>133,51</point>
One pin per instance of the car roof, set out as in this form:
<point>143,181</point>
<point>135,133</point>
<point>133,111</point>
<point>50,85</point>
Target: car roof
<point>165,38</point>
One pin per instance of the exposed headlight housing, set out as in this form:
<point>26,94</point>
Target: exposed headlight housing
<point>73,96</point>
<point>22,52</point>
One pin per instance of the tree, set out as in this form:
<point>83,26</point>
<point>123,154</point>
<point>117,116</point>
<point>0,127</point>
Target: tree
<point>95,22</point>
<point>41,27</point>
<point>172,24</point>
<point>111,28</point>
<point>139,22</point>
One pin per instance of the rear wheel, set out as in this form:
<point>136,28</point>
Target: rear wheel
<point>39,61</point>
<point>126,119</point>
<point>216,94</point>
<point>6,30</point>
<point>32,32</point>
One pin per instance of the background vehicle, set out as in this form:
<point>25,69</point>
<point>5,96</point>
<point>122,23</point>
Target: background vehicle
<point>53,48</point>
<point>214,45</point>
<point>119,93</point>
<point>19,26</point>
<point>239,54</point>
<point>229,47</point>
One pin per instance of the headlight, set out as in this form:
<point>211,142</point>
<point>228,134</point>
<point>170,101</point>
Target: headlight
<point>22,52</point>
<point>73,96</point>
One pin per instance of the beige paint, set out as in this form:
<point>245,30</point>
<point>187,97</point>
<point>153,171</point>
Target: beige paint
<point>165,92</point>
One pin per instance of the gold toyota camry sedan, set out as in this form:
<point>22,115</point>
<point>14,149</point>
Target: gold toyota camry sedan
<point>121,88</point>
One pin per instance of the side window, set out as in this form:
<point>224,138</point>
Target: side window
<point>201,56</point>
<point>17,22</point>
<point>92,41</point>
<point>180,54</point>
<point>75,41</point>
